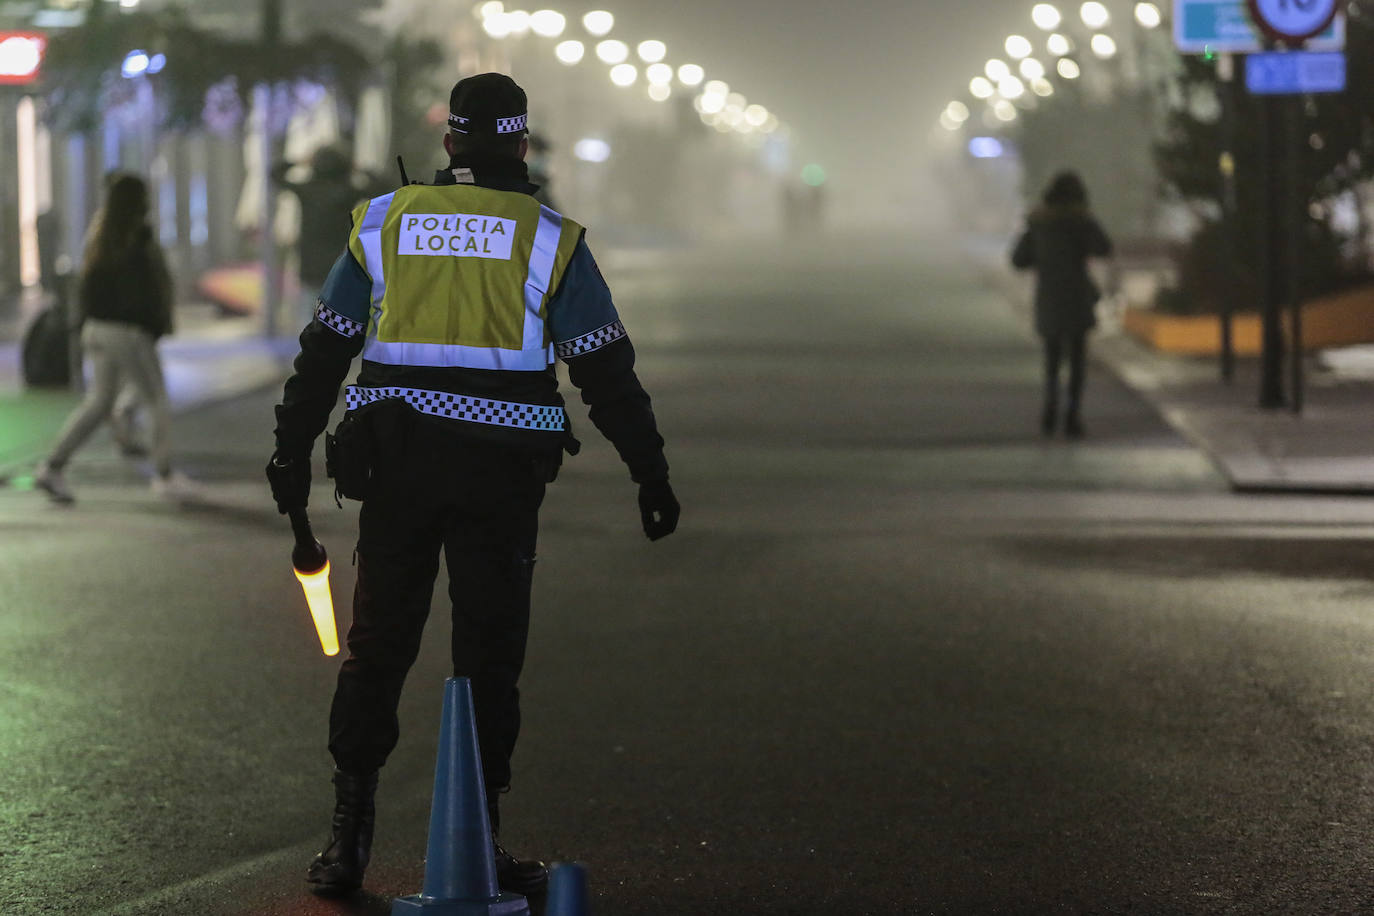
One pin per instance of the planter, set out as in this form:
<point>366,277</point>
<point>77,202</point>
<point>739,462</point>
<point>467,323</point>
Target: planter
<point>1338,320</point>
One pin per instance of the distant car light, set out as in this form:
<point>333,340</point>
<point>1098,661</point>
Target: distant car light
<point>985,148</point>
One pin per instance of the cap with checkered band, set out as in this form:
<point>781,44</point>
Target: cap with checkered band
<point>489,105</point>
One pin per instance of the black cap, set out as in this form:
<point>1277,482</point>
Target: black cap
<point>489,105</point>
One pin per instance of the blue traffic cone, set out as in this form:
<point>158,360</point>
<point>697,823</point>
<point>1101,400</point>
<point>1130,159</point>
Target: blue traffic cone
<point>460,864</point>
<point>567,890</point>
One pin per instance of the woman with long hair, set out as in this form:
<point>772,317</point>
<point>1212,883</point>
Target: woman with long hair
<point>1061,235</point>
<point>125,294</point>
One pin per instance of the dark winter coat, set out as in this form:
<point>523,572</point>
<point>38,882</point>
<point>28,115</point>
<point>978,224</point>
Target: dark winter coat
<point>135,289</point>
<point>1057,243</point>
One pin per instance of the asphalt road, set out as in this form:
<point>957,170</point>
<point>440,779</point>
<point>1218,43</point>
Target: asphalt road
<point>903,656</point>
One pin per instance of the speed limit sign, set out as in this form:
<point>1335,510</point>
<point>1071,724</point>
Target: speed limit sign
<point>1294,20</point>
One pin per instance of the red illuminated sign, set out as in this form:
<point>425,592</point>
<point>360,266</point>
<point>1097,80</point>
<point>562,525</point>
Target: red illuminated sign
<point>21,56</point>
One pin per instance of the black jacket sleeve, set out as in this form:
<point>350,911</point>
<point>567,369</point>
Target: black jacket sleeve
<point>619,407</point>
<point>1096,242</point>
<point>313,390</point>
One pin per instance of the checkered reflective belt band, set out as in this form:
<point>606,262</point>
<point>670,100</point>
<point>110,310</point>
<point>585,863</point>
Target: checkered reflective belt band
<point>461,407</point>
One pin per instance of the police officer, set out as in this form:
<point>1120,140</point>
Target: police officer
<point>458,295</point>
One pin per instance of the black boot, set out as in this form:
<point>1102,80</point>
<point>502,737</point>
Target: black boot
<point>1048,418</point>
<point>339,869</point>
<point>1073,424</point>
<point>518,876</point>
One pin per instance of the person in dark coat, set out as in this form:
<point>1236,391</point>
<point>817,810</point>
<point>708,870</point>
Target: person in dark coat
<point>1060,236</point>
<point>327,198</point>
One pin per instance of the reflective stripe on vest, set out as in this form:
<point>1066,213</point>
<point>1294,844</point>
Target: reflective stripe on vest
<point>462,407</point>
<point>370,237</point>
<point>461,276</point>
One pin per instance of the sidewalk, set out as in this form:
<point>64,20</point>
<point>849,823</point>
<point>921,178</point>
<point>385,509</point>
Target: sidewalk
<point>1328,449</point>
<point>210,358</point>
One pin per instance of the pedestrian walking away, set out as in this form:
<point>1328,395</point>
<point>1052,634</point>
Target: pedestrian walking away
<point>458,296</point>
<point>1060,236</point>
<point>125,296</point>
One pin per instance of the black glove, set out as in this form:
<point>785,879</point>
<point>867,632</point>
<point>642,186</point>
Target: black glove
<point>290,479</point>
<point>658,509</point>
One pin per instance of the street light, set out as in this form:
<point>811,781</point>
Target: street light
<point>1068,68</point>
<point>690,75</point>
<point>756,115</point>
<point>548,23</point>
<point>981,88</point>
<point>997,70</point>
<point>1018,46</point>
<point>1103,46</point>
<point>660,92</point>
<point>624,75</point>
<point>1059,45</point>
<point>1011,88</point>
<point>710,104</point>
<point>496,25</point>
<point>135,63</point>
<point>957,111</point>
<point>592,149</point>
<point>652,51</point>
<point>1042,87</point>
<point>659,74</point>
<point>1148,15</point>
<point>598,22</point>
<point>1032,69</point>
<point>1004,110</point>
<point>611,51</point>
<point>1094,15</point>
<point>570,51</point>
<point>1046,16</point>
<point>518,22</point>
<point>717,87</point>
<point>491,8</point>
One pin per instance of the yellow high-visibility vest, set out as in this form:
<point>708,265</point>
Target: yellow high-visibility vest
<point>461,276</point>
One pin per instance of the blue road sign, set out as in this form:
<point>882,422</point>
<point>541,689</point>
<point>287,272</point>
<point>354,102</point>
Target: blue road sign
<point>1225,26</point>
<point>1293,72</point>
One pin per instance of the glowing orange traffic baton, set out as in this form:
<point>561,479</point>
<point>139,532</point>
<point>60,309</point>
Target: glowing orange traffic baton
<point>311,565</point>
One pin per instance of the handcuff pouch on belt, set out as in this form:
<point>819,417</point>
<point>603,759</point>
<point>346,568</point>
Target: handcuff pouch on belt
<point>349,456</point>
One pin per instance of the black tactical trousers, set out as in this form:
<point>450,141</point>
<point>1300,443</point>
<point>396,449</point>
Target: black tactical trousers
<point>479,503</point>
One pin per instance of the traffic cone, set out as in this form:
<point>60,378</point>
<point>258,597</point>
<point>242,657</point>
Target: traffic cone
<point>460,864</point>
<point>567,890</point>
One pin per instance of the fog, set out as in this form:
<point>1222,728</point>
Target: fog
<point>859,85</point>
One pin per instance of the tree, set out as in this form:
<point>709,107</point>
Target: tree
<point>1226,256</point>
<point>81,67</point>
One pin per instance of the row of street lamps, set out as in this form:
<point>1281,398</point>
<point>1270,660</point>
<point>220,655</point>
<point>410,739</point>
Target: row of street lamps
<point>718,106</point>
<point>1003,85</point>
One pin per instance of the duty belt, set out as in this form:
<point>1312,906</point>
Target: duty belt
<point>462,407</point>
